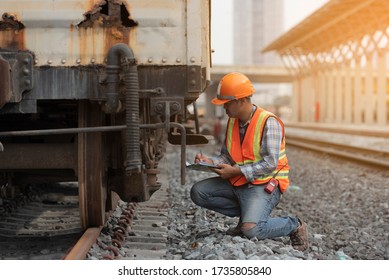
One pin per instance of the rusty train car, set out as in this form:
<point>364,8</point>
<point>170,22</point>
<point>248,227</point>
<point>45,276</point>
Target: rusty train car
<point>90,91</point>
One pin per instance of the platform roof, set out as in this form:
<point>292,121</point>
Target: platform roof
<point>335,23</point>
<point>256,74</point>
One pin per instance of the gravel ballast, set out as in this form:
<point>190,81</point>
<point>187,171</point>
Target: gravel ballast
<point>345,205</point>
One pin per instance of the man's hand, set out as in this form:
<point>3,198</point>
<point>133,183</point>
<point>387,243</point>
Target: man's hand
<point>227,171</point>
<point>202,158</point>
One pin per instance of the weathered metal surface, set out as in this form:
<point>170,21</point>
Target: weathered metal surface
<point>16,75</point>
<point>66,83</point>
<point>5,81</point>
<point>52,83</point>
<point>73,32</point>
<point>23,107</point>
<point>9,22</point>
<point>108,14</point>
<point>170,39</point>
<point>11,32</point>
<point>22,73</point>
<point>158,105</point>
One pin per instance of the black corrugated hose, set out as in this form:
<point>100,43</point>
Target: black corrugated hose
<point>123,54</point>
<point>131,91</point>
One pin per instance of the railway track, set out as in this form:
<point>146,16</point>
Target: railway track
<point>49,227</point>
<point>350,130</point>
<point>54,212</point>
<point>44,226</point>
<point>369,156</point>
<point>133,231</point>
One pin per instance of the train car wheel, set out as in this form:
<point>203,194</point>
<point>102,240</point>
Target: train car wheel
<point>92,179</point>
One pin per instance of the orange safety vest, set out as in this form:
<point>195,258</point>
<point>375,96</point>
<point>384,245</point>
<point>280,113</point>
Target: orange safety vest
<point>250,150</point>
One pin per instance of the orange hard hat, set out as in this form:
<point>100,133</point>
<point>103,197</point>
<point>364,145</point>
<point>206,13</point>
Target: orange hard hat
<point>233,86</point>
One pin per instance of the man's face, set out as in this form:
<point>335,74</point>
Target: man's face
<point>233,108</point>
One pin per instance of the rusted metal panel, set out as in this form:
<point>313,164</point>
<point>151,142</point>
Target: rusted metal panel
<point>11,32</point>
<point>170,39</point>
<point>73,32</point>
<point>10,22</point>
<point>66,83</point>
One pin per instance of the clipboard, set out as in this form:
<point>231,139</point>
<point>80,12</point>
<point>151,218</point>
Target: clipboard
<point>201,166</point>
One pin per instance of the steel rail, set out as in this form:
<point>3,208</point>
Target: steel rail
<point>80,250</point>
<point>82,247</point>
<point>342,150</point>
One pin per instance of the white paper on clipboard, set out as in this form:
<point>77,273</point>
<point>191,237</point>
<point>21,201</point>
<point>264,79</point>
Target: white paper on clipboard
<point>201,166</point>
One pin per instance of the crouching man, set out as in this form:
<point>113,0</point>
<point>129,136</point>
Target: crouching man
<point>253,168</point>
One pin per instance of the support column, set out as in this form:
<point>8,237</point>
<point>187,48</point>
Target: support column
<point>312,96</point>
<point>316,96</point>
<point>330,97</point>
<point>357,93</point>
<point>370,97</point>
<point>338,95</point>
<point>322,96</point>
<point>298,99</point>
<point>303,107</point>
<point>294,101</point>
<point>347,94</point>
<point>381,90</point>
<point>308,95</point>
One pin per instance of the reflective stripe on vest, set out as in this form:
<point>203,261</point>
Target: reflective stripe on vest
<point>250,150</point>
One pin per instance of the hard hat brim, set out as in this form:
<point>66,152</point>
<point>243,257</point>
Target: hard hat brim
<point>218,102</point>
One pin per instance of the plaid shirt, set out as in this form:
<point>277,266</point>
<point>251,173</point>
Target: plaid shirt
<point>270,150</point>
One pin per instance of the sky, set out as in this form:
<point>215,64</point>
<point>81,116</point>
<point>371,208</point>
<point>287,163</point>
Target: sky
<point>294,11</point>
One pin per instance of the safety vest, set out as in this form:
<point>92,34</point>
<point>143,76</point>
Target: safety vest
<point>249,151</point>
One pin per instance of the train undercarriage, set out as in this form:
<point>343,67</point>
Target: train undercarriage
<point>109,142</point>
<point>93,92</point>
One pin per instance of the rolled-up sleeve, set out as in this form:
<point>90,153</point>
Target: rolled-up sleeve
<point>270,151</point>
<point>224,157</point>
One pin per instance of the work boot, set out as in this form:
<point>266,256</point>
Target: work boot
<point>299,237</point>
<point>235,231</point>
